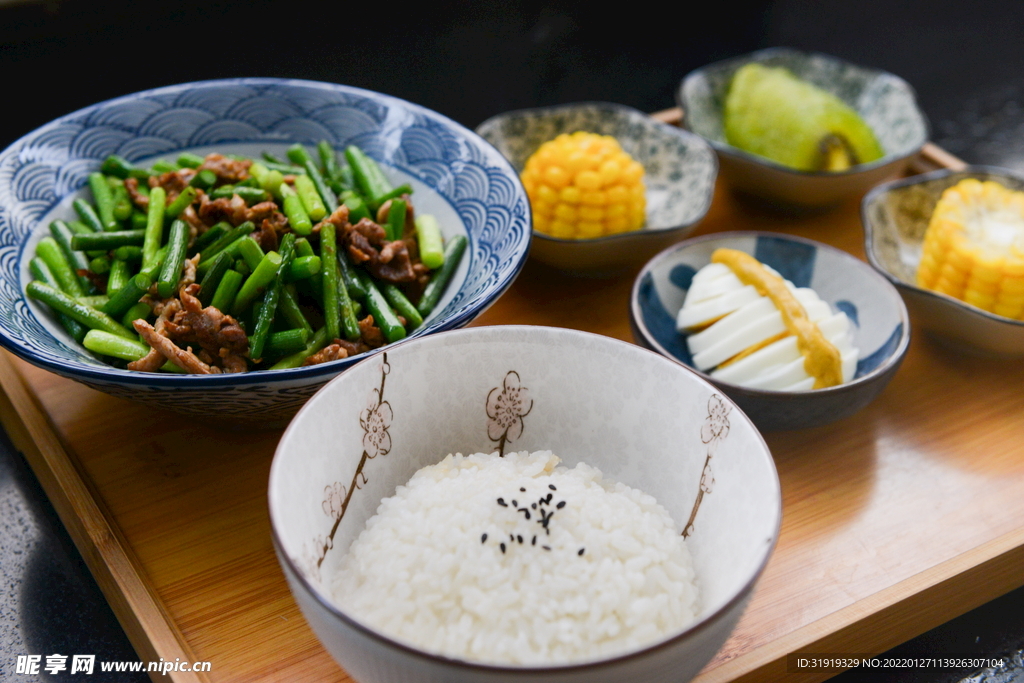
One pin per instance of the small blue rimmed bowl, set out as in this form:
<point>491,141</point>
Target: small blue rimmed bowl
<point>880,321</point>
<point>895,217</point>
<point>679,173</point>
<point>456,176</point>
<point>885,102</point>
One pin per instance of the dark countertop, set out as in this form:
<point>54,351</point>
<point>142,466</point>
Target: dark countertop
<point>470,61</point>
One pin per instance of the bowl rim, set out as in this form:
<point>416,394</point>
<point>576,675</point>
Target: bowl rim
<point>111,375</point>
<point>701,624</point>
<point>730,150</point>
<point>877,192</point>
<point>894,358</point>
<point>684,133</point>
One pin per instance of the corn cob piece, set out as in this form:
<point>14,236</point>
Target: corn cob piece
<point>583,186</point>
<point>974,247</point>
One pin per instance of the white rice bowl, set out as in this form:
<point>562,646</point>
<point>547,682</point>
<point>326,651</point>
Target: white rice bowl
<point>609,573</point>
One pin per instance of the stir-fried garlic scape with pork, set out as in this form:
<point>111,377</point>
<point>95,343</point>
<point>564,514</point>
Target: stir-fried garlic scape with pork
<point>226,264</point>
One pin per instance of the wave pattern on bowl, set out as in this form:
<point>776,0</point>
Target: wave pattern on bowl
<point>40,169</point>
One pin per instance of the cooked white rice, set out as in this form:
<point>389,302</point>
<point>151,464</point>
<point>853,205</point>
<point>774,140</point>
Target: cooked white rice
<point>617,576</point>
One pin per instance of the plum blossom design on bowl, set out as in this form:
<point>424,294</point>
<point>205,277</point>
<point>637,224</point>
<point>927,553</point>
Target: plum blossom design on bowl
<point>375,421</point>
<point>714,430</point>
<point>506,409</point>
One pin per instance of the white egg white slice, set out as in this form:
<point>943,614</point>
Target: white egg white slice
<point>739,321</point>
<point>709,310</point>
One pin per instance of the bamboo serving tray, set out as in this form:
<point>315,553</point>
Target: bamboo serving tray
<point>895,520</point>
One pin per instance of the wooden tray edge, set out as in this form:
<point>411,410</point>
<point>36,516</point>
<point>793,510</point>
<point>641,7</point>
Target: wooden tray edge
<point>880,622</point>
<point>103,546</point>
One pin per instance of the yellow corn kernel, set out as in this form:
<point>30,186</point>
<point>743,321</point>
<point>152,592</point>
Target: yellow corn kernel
<point>1012,286</point>
<point>566,212</point>
<point>950,272</point>
<point>989,289</point>
<point>583,185</point>
<point>616,210</point>
<point>556,177</point>
<point>619,224</point>
<point>952,289</point>
<point>1010,299</point>
<point>569,195</point>
<point>633,172</point>
<point>561,229</point>
<point>609,172</point>
<point>988,269</point>
<point>588,180</point>
<point>546,194</point>
<point>973,247</point>
<point>1008,311</point>
<point>979,299</point>
<point>617,194</point>
<point>1014,266</point>
<point>576,162</point>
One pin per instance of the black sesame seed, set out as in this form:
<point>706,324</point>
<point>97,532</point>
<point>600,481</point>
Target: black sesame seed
<point>560,505</point>
<point>520,539</point>
<point>502,548</point>
<point>548,500</point>
<point>546,547</point>
<point>522,489</point>
<point>502,503</point>
<point>534,541</point>
<point>527,513</point>
<point>483,539</point>
<point>515,504</point>
<point>533,506</point>
<point>511,538</point>
<point>552,487</point>
<point>580,553</point>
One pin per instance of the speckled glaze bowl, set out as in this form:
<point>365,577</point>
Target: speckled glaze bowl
<point>679,172</point>
<point>881,324</point>
<point>895,217</point>
<point>456,176</point>
<point>639,418</point>
<point>886,102</point>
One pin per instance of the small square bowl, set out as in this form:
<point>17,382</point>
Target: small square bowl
<point>679,172</point>
<point>880,321</point>
<point>895,217</point>
<point>885,102</point>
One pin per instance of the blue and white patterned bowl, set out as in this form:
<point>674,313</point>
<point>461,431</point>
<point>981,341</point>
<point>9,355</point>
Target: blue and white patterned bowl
<point>886,103</point>
<point>881,323</point>
<point>457,176</point>
<point>679,172</point>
